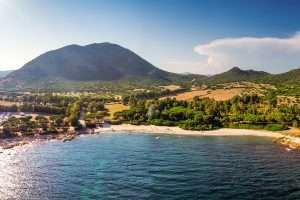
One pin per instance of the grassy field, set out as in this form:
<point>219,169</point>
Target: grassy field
<point>171,87</point>
<point>218,94</point>
<point>113,108</point>
<point>224,91</point>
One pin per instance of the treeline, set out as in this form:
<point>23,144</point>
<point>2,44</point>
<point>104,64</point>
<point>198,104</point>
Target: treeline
<point>47,109</point>
<point>70,107</point>
<point>52,99</point>
<point>48,99</point>
<point>43,99</point>
<point>73,113</point>
<point>26,126</point>
<point>95,112</point>
<point>91,112</point>
<point>151,94</point>
<point>249,111</point>
<point>64,113</point>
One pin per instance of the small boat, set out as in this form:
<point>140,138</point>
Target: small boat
<point>288,149</point>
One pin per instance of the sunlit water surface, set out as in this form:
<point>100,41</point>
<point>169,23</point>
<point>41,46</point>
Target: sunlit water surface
<point>147,166</point>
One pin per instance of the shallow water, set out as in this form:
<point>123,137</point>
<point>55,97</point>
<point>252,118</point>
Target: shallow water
<point>147,166</point>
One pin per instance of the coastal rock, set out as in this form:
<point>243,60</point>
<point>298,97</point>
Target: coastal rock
<point>68,138</point>
<point>290,142</point>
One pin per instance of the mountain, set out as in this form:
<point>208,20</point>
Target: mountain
<point>107,65</point>
<point>290,77</point>
<point>237,74</point>
<point>94,62</point>
<point>5,73</point>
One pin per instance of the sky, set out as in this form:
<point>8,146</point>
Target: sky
<point>195,36</point>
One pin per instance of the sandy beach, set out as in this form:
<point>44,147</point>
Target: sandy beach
<point>179,131</point>
<point>290,141</point>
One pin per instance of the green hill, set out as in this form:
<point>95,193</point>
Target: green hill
<point>236,74</point>
<point>290,77</point>
<point>107,65</point>
<point>74,63</point>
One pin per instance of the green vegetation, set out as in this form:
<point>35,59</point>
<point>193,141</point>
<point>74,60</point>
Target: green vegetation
<point>27,126</point>
<point>142,106</point>
<point>268,127</point>
<point>248,111</point>
<point>107,64</point>
<point>95,113</point>
<point>150,94</point>
<point>276,127</point>
<point>62,110</point>
<point>73,113</point>
<point>123,74</point>
<point>235,75</point>
<point>85,96</point>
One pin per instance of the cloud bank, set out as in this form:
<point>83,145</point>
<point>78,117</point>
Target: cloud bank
<point>269,53</point>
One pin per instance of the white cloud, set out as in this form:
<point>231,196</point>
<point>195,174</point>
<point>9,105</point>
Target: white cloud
<point>268,53</point>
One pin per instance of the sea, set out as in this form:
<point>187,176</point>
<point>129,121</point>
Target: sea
<point>116,166</point>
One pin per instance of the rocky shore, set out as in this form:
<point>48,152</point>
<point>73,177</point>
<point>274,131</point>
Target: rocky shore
<point>289,141</point>
<point>10,143</point>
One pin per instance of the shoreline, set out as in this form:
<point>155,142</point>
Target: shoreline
<point>10,143</point>
<point>279,138</point>
<point>179,131</point>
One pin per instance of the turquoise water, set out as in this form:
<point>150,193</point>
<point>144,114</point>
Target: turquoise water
<point>145,166</point>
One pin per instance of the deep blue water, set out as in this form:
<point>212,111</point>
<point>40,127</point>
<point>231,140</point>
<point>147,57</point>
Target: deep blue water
<point>124,166</point>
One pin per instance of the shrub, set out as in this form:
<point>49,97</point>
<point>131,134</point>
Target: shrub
<point>245,126</point>
<point>276,127</point>
<point>161,122</point>
<point>115,122</point>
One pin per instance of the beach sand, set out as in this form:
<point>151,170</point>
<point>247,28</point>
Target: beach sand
<point>179,131</point>
<point>279,137</point>
<point>291,142</point>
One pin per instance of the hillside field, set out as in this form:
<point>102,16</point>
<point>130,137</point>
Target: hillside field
<point>223,92</point>
<point>113,108</point>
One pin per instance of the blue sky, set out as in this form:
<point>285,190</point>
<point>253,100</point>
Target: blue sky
<point>176,35</point>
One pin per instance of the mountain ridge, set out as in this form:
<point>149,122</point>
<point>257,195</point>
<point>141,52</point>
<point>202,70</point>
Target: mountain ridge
<point>101,61</point>
<point>237,74</point>
<point>108,62</point>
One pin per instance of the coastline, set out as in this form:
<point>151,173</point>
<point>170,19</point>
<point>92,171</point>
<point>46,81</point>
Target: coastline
<point>179,131</point>
<point>9,143</point>
<point>279,138</point>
